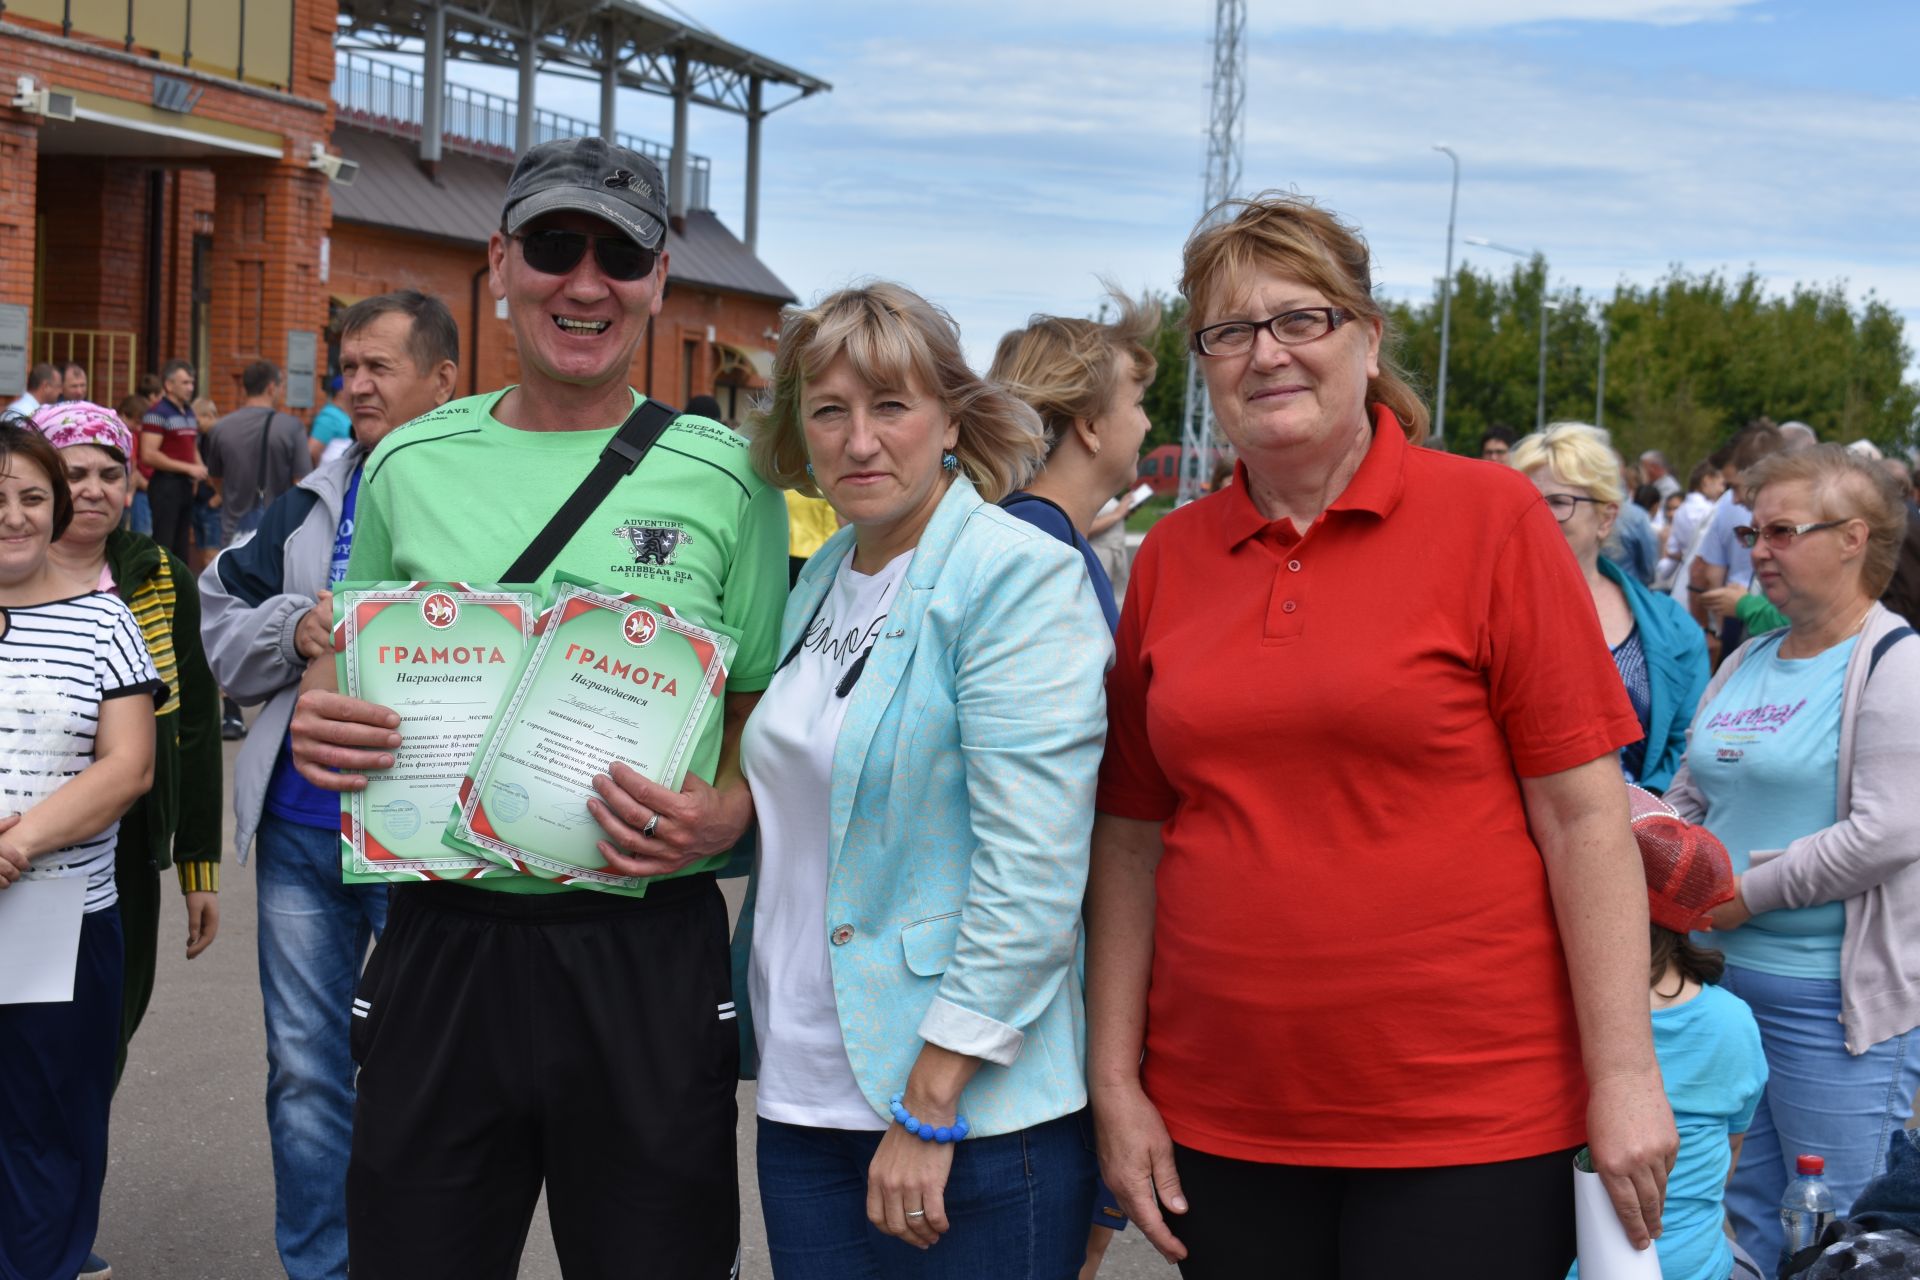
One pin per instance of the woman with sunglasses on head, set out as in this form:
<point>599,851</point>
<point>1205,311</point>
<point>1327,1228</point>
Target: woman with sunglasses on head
<point>922,768</point>
<point>1802,760</point>
<point>1367,932</point>
<point>1659,650</point>
<point>77,693</point>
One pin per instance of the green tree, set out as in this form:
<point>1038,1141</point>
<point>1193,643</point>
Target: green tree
<point>1688,359</point>
<point>1166,399</point>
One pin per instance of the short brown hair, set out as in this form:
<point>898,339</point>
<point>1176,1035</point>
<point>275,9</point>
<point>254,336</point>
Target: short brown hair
<point>18,436</point>
<point>1068,368</point>
<point>1293,236</point>
<point>433,338</point>
<point>1845,486</point>
<point>891,334</point>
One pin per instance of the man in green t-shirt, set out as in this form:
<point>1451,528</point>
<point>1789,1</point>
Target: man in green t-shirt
<point>514,1031</point>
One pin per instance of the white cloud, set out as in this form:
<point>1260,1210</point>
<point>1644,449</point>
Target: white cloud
<point>1001,178</point>
<point>1000,173</point>
<point>742,20</point>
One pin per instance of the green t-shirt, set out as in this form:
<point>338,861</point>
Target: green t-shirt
<point>457,495</point>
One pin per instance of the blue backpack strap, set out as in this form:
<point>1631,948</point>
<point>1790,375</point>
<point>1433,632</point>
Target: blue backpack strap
<point>1886,642</point>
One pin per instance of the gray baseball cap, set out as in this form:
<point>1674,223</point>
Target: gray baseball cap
<point>589,175</point>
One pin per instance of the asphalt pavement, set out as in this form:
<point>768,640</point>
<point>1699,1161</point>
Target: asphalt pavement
<point>189,1192</point>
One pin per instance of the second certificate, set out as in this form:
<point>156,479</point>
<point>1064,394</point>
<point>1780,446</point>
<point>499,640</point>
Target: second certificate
<point>609,677</point>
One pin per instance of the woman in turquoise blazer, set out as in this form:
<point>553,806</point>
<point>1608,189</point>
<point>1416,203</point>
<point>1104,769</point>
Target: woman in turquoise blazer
<point>923,768</point>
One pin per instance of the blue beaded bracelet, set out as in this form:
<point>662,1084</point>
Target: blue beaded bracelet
<point>921,1129</point>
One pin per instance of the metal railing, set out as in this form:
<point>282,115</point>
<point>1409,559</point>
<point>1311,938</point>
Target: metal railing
<point>392,100</point>
<point>106,354</point>
<point>249,40</point>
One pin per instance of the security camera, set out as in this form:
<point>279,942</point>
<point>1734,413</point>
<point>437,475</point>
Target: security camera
<point>50,103</point>
<point>338,169</point>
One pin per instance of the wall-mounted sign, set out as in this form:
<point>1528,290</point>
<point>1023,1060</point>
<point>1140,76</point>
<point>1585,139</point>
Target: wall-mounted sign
<point>302,352</point>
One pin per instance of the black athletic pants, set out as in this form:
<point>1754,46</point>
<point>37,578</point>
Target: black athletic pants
<point>1507,1221</point>
<point>580,1039</point>
<point>170,494</point>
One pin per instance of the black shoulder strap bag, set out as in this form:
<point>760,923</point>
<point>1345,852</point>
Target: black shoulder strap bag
<point>623,453</point>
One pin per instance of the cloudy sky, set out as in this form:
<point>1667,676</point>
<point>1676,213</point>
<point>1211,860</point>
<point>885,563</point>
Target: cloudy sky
<point>999,155</point>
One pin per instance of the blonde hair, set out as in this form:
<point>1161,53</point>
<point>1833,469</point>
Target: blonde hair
<point>1845,486</point>
<point>892,336</point>
<point>1575,454</point>
<point>1291,236</point>
<point>1068,369</point>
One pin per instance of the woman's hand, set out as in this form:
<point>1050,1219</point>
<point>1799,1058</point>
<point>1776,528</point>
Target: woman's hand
<point>1136,1159</point>
<point>907,1183</point>
<point>1631,1134</point>
<point>330,731</point>
<point>1732,913</point>
<point>203,921</point>
<point>13,863</point>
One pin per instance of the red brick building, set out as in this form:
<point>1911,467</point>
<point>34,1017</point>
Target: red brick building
<point>170,186</point>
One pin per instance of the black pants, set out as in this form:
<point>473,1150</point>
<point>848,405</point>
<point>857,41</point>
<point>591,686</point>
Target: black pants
<point>170,494</point>
<point>53,1111</point>
<point>138,883</point>
<point>1507,1221</point>
<point>579,1039</point>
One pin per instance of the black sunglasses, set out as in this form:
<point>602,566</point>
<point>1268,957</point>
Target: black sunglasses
<point>554,252</point>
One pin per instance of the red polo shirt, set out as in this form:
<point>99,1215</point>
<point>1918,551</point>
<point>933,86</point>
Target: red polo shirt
<point>1355,959</point>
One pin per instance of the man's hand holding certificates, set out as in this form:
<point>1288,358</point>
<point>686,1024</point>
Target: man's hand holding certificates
<point>526,744</point>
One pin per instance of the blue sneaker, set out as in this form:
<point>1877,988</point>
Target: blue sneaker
<point>95,1268</point>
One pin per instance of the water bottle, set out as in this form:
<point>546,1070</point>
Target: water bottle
<point>1806,1209</point>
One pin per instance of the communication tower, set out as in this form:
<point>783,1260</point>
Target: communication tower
<point>1226,144</point>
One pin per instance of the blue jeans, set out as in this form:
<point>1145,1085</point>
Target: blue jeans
<point>314,933</point>
<point>1018,1205</point>
<point>1820,1100</point>
<point>140,514</point>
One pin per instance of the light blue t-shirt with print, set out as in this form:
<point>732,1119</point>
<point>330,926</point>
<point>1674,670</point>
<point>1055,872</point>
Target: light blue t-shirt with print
<point>1766,755</point>
<point>1714,1071</point>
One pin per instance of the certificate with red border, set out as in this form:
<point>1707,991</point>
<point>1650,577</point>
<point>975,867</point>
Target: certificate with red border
<point>443,655</point>
<point>609,676</point>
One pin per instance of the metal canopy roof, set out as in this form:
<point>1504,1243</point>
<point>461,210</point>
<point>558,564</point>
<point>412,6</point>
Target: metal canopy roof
<point>582,38</point>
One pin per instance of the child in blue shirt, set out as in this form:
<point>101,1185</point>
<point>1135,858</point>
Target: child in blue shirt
<point>1705,1038</point>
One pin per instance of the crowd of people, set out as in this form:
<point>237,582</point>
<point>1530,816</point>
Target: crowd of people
<point>1393,830</point>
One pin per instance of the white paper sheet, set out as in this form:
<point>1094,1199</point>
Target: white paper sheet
<point>40,939</point>
<point>1605,1251</point>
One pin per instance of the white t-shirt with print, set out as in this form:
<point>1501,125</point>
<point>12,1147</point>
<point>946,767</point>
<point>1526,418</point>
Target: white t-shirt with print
<point>58,663</point>
<point>787,753</point>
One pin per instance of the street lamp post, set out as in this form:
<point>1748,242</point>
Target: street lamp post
<point>1600,394</point>
<point>1540,397</point>
<point>1446,303</point>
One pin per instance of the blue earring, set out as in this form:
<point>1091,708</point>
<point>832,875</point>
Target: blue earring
<point>948,462</point>
<point>809,471</point>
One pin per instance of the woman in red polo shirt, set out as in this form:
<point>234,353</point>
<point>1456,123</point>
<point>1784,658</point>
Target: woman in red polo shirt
<point>1367,928</point>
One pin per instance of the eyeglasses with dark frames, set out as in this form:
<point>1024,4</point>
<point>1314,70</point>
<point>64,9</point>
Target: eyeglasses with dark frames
<point>1563,505</point>
<point>556,252</point>
<point>1290,329</point>
<point>1780,535</point>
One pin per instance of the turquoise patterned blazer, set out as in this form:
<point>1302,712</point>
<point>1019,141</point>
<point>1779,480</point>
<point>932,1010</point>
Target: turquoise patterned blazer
<point>962,807</point>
